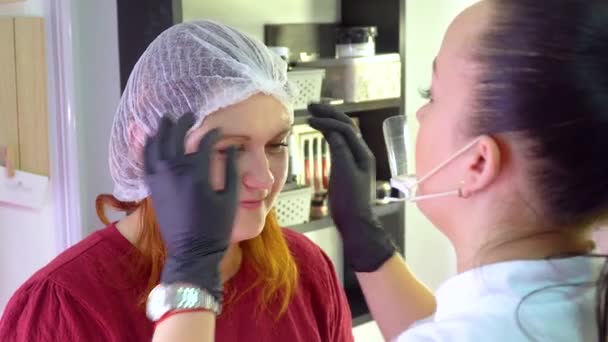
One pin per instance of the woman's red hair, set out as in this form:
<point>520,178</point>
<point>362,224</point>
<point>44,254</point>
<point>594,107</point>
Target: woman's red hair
<point>277,273</point>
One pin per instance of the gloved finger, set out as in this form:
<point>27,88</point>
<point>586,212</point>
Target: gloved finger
<point>361,153</point>
<point>339,149</point>
<point>178,135</point>
<point>329,112</point>
<point>204,153</point>
<point>231,185</point>
<point>150,155</point>
<point>162,138</point>
<point>336,142</point>
<point>326,111</point>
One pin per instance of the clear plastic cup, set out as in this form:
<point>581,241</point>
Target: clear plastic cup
<point>396,138</point>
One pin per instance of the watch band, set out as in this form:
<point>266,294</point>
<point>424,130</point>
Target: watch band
<point>180,296</point>
<point>177,312</point>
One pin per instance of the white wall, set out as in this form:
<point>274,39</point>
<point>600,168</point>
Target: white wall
<point>427,251</point>
<point>27,242</point>
<point>251,16</point>
<point>97,92</point>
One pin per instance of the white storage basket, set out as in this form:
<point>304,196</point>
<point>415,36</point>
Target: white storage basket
<point>293,206</point>
<point>309,82</point>
<point>361,79</point>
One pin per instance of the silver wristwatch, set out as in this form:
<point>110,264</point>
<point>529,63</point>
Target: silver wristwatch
<point>180,296</point>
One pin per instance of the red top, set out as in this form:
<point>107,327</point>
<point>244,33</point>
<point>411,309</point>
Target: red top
<point>89,293</point>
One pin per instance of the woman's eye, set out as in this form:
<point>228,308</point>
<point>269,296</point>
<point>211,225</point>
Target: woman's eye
<point>224,151</point>
<point>276,148</point>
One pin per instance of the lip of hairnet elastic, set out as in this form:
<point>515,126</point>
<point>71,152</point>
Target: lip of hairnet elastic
<point>197,67</point>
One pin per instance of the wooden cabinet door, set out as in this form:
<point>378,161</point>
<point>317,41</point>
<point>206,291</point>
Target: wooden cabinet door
<point>23,93</point>
<point>32,98</point>
<point>9,122</point>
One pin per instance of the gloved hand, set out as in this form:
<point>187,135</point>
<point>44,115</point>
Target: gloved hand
<point>195,220</point>
<point>366,244</point>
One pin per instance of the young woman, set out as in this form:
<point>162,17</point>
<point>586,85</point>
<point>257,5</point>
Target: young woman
<point>277,285</point>
<point>519,97</point>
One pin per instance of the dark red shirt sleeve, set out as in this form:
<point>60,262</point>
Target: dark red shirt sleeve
<point>340,328</point>
<point>318,275</point>
<point>44,311</point>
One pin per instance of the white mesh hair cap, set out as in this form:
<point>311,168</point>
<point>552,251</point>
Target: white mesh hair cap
<point>198,67</point>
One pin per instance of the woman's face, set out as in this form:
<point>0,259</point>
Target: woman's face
<point>258,127</point>
<point>444,118</point>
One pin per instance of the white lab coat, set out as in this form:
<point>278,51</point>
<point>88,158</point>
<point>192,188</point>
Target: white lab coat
<point>484,304</point>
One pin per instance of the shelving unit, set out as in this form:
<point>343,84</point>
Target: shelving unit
<point>380,210</point>
<point>389,17</point>
<point>394,104</point>
<point>318,39</point>
<point>391,215</point>
<point>137,30</point>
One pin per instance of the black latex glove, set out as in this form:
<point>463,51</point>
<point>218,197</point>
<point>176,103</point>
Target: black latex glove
<point>366,244</point>
<point>195,220</point>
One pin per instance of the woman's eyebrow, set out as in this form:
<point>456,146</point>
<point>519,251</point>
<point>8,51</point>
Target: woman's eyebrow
<point>242,137</point>
<point>235,137</point>
<point>284,132</point>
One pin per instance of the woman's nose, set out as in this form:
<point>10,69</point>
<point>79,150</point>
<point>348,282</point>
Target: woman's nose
<point>256,173</point>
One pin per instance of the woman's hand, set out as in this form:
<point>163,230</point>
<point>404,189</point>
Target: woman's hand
<point>366,244</point>
<point>195,220</point>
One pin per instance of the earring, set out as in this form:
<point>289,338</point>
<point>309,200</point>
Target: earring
<point>460,193</point>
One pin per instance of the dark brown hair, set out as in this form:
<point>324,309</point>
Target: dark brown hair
<point>545,74</point>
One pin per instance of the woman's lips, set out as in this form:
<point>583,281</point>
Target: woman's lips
<point>251,205</point>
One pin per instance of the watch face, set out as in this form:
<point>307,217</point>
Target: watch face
<point>157,304</point>
<point>167,297</point>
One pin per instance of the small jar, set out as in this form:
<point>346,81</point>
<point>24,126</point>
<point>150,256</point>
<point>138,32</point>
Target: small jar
<point>281,51</point>
<point>356,41</point>
<point>318,207</point>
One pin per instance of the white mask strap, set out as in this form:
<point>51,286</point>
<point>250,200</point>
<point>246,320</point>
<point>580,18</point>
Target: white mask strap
<point>425,197</point>
<point>401,182</point>
<point>439,194</point>
<point>447,161</point>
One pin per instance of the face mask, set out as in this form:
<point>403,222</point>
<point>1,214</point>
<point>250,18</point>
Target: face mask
<point>407,184</point>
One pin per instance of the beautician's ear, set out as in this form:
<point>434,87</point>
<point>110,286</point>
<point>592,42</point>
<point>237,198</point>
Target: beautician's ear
<point>483,166</point>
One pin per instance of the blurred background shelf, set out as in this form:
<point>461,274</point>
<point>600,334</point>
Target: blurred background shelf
<point>391,215</point>
<point>380,210</point>
<point>302,115</point>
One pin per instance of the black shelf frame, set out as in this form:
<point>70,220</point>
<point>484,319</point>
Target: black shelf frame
<point>389,214</point>
<point>381,210</point>
<point>389,17</point>
<point>357,107</point>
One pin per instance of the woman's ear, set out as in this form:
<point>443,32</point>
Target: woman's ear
<point>483,166</point>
